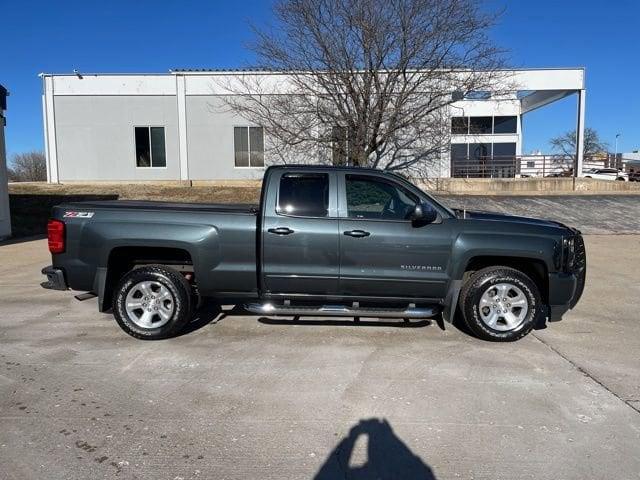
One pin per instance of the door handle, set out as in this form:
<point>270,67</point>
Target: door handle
<point>280,230</point>
<point>357,233</point>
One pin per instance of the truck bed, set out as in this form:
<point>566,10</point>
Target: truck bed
<point>232,208</point>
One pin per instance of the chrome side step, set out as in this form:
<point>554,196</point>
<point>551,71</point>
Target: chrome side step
<point>342,311</point>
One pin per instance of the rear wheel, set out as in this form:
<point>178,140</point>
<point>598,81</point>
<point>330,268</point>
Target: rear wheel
<point>152,302</point>
<point>500,304</point>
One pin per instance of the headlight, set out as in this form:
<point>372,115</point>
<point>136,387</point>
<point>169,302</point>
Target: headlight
<point>568,253</point>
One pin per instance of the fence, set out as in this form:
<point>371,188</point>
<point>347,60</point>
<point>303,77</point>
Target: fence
<point>526,166</point>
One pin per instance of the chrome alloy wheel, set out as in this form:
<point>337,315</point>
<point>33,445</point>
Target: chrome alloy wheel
<point>503,307</point>
<point>149,304</point>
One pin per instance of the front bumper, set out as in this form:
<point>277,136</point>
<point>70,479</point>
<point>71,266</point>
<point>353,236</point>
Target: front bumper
<point>55,279</point>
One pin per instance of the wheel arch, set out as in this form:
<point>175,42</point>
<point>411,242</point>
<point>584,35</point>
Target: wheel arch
<point>533,267</point>
<point>123,258</point>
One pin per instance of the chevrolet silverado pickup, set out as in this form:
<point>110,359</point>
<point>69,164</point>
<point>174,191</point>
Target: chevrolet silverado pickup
<point>336,241</point>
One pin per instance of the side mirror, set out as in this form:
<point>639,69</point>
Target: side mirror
<point>424,213</point>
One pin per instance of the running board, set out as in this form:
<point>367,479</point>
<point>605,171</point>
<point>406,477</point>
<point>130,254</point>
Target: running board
<point>342,311</point>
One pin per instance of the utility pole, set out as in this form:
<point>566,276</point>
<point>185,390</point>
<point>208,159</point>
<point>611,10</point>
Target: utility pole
<point>615,156</point>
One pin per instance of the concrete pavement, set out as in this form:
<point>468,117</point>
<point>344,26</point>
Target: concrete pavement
<point>592,214</point>
<point>242,397</point>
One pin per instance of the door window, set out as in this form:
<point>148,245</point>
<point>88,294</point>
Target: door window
<point>371,198</point>
<point>304,194</point>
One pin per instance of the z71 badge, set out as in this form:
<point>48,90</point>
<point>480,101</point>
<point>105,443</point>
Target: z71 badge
<point>78,214</point>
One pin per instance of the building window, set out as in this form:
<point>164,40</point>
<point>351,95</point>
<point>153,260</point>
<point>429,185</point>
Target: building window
<point>504,150</point>
<point>478,95</point>
<point>150,147</point>
<point>460,125</point>
<point>459,151</point>
<point>505,124</point>
<point>484,125</point>
<point>304,194</point>
<point>479,151</point>
<point>248,144</point>
<point>480,125</point>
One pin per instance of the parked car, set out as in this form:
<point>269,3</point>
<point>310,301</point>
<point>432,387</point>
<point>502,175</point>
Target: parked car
<point>606,174</point>
<point>563,173</point>
<point>634,176</point>
<point>323,241</point>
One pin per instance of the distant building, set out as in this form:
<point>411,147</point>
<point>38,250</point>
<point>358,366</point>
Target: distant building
<point>159,127</point>
<point>5,217</point>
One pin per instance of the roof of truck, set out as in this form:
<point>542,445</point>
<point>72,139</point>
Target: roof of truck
<point>327,167</point>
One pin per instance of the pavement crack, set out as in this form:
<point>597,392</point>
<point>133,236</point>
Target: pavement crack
<point>586,373</point>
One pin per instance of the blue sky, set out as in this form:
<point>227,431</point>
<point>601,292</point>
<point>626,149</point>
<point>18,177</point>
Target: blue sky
<point>154,36</point>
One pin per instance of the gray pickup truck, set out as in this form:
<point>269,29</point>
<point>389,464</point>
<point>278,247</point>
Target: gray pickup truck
<point>323,241</point>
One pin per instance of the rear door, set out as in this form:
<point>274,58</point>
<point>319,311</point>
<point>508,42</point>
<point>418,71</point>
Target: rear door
<point>382,253</point>
<point>300,233</point>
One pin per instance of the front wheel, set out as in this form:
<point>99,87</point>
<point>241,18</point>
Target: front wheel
<point>500,304</point>
<point>152,302</point>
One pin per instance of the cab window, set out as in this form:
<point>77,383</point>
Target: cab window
<point>373,198</point>
<point>304,195</point>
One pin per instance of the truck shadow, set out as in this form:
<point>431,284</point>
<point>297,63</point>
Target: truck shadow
<point>205,314</point>
<point>387,457</point>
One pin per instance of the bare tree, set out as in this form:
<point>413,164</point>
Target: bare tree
<point>28,167</point>
<point>565,144</point>
<point>368,82</point>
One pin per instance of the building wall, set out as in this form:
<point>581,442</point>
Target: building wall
<point>5,217</point>
<point>210,146</point>
<point>90,119</point>
<point>95,136</point>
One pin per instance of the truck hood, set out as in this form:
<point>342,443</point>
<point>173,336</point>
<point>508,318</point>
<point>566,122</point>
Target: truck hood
<point>502,217</point>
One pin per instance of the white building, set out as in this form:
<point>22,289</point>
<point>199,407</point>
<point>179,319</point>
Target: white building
<point>5,217</point>
<point>164,127</point>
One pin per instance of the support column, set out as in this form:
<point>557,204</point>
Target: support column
<point>580,134</point>
<point>182,127</point>
<point>51,149</point>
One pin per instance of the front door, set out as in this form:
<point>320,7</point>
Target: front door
<point>300,234</point>
<point>382,253</point>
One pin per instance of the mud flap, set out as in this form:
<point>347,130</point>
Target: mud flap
<point>451,301</point>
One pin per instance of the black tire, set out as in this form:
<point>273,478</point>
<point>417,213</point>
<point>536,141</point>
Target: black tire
<point>181,296</point>
<point>479,282</point>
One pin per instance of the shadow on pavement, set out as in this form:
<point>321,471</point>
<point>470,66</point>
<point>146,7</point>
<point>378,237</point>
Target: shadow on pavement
<point>205,314</point>
<point>211,313</point>
<point>13,240</point>
<point>387,457</point>
<point>332,322</point>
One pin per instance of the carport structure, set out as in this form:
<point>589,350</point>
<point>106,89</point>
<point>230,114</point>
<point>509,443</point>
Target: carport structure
<point>486,130</point>
<point>539,90</point>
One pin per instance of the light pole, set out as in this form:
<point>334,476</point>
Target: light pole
<point>615,156</point>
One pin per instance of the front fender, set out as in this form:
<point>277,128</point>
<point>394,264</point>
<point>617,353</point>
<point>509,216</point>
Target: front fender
<point>468,246</point>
